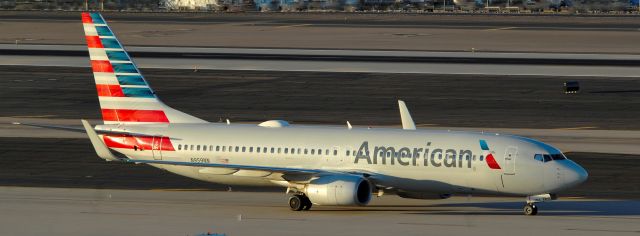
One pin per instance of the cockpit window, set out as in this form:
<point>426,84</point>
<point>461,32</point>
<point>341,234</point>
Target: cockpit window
<point>558,157</point>
<point>538,157</point>
<point>542,158</point>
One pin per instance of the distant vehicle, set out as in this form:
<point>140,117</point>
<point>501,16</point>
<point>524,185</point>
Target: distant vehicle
<point>571,87</point>
<point>318,165</point>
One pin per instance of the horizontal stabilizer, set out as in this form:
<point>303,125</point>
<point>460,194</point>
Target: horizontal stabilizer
<point>101,149</point>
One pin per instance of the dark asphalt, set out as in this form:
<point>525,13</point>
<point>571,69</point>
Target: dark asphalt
<point>361,98</point>
<point>345,58</point>
<point>73,163</point>
<point>475,21</point>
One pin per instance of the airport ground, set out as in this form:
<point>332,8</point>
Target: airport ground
<point>54,184</point>
<point>365,99</point>
<point>481,33</point>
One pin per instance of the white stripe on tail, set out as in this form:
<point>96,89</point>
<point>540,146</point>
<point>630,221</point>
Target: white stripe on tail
<point>125,96</point>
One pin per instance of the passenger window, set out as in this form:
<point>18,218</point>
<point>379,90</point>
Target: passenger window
<point>299,150</point>
<point>279,150</point>
<point>273,150</point>
<point>306,151</point>
<point>198,148</point>
<point>538,157</point>
<point>319,151</point>
<point>224,148</point>
<point>348,152</point>
<point>244,149</point>
<point>210,147</point>
<point>286,150</point>
<point>179,146</point>
<point>313,151</point>
<point>481,157</point>
<point>250,149</point>
<point>237,148</point>
<point>218,148</point>
<point>335,152</point>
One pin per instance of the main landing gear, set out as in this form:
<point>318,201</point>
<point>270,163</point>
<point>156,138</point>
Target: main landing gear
<point>299,202</point>
<point>530,209</point>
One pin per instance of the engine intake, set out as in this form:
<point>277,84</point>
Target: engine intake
<point>339,191</point>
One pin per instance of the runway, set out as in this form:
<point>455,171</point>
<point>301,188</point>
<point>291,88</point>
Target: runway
<point>408,32</point>
<point>139,212</point>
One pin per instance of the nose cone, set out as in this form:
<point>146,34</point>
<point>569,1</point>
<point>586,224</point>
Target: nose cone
<point>575,174</point>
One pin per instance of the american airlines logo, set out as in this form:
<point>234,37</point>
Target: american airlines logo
<point>437,157</point>
<point>424,156</point>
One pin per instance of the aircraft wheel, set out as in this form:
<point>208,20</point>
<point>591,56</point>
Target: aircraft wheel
<point>296,202</point>
<point>530,209</point>
<point>307,203</point>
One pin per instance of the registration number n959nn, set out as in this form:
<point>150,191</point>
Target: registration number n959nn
<point>200,160</point>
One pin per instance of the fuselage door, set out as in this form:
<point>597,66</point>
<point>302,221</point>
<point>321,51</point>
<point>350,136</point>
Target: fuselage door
<point>156,147</point>
<point>510,160</point>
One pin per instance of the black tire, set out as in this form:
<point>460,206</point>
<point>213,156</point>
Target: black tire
<point>296,203</point>
<point>530,210</point>
<point>307,204</point>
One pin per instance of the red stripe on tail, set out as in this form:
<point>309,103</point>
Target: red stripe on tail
<point>101,66</point>
<point>94,42</point>
<point>125,115</point>
<point>107,90</point>
<point>86,18</point>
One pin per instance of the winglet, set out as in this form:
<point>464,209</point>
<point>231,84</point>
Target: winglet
<point>405,116</point>
<point>101,149</point>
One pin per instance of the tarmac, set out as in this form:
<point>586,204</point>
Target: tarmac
<point>53,184</point>
<point>365,99</point>
<point>412,32</point>
<point>60,211</point>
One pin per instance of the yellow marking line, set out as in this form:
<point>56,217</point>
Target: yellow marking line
<point>290,26</point>
<point>503,28</point>
<point>578,128</point>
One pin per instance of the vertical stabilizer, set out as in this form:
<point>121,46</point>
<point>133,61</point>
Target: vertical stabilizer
<point>125,96</point>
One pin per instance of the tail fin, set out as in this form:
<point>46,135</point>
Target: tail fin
<point>125,96</point>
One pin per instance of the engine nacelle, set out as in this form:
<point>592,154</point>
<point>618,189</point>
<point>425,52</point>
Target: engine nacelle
<point>339,191</point>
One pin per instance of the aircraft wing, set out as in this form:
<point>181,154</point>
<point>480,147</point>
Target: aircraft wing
<point>289,174</point>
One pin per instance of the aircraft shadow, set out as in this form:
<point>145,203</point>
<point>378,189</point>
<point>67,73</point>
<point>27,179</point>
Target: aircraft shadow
<point>554,208</point>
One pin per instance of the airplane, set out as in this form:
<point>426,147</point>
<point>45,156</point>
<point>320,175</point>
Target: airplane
<point>317,164</point>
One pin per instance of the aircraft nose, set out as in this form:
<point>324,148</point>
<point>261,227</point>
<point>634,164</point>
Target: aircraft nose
<point>576,174</point>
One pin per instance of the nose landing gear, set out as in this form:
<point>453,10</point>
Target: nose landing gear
<point>300,202</point>
<point>531,209</point>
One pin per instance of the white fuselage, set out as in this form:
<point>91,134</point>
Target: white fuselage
<point>419,161</point>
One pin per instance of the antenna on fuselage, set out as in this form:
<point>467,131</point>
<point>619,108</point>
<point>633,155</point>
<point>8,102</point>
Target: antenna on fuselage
<point>228,122</point>
<point>405,116</point>
<point>349,125</point>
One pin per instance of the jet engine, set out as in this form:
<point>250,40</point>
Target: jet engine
<point>339,191</point>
